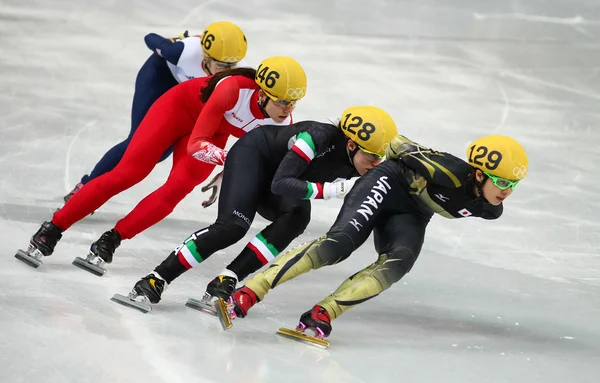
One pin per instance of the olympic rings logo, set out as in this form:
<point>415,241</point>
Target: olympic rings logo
<point>231,59</point>
<point>520,171</point>
<point>296,93</point>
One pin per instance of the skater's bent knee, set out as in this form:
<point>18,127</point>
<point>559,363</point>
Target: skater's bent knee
<point>298,219</point>
<point>332,249</point>
<point>396,264</point>
<point>227,233</point>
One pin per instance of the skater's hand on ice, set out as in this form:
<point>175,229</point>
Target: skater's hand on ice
<point>338,189</point>
<point>215,185</point>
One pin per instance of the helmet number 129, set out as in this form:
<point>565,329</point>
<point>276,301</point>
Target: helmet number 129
<point>493,158</point>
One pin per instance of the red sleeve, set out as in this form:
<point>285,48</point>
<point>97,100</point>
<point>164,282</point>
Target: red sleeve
<point>223,98</point>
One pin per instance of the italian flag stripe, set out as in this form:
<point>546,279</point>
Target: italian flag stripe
<point>190,254</point>
<point>315,190</point>
<point>304,146</point>
<point>183,261</point>
<point>265,251</point>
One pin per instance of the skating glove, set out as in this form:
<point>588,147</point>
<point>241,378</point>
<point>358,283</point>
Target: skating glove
<point>215,185</point>
<point>180,37</point>
<point>338,189</point>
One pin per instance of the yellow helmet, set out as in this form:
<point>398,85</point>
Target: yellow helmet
<point>500,156</point>
<point>281,78</point>
<point>225,42</point>
<point>370,127</point>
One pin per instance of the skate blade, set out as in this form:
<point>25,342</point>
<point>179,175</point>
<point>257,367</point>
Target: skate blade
<point>205,307</point>
<point>302,337</point>
<point>126,301</point>
<point>83,264</point>
<point>25,257</point>
<point>223,314</point>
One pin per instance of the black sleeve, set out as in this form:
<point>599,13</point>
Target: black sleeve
<point>439,168</point>
<point>309,142</point>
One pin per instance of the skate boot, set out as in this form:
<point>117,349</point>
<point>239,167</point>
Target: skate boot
<point>101,252</point>
<point>318,320</point>
<point>73,192</point>
<point>146,291</point>
<point>41,244</point>
<point>243,299</point>
<point>221,287</point>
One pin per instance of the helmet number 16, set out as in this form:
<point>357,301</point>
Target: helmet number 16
<point>493,158</point>
<point>366,128</point>
<point>207,40</point>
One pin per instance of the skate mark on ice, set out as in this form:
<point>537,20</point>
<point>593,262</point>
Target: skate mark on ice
<point>193,12</point>
<point>506,109</point>
<point>69,185</point>
<point>576,20</point>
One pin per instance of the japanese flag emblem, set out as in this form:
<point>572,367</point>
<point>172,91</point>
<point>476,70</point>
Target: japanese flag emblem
<point>464,212</point>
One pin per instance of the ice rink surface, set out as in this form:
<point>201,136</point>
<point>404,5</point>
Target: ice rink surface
<point>516,300</point>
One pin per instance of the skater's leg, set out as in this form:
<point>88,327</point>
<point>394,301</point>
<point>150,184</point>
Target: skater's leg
<point>349,232</point>
<point>237,208</point>
<point>153,80</point>
<point>398,240</point>
<point>186,174</point>
<point>289,219</point>
<point>162,126</point>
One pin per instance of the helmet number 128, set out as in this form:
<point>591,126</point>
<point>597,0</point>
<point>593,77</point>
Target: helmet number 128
<point>493,158</point>
<point>365,131</point>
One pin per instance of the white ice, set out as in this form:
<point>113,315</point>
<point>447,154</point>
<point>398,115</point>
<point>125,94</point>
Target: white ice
<point>516,300</point>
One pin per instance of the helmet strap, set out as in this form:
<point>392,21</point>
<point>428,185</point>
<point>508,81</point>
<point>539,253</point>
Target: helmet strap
<point>351,153</point>
<point>473,183</point>
<point>262,105</point>
<point>206,68</point>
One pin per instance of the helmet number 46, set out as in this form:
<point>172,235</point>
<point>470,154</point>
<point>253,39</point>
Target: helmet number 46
<point>366,128</point>
<point>269,78</point>
<point>493,158</point>
<point>207,40</point>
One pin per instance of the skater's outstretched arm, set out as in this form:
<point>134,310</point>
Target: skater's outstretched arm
<point>223,98</point>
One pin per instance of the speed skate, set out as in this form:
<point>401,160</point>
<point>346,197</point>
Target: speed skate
<point>31,256</point>
<point>93,264</point>
<point>204,305</point>
<point>134,300</point>
<point>299,335</point>
<point>218,308</point>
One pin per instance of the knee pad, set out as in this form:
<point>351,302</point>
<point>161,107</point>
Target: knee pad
<point>394,265</point>
<point>331,249</point>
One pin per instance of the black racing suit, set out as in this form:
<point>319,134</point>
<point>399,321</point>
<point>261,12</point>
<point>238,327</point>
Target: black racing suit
<point>394,201</point>
<point>272,171</point>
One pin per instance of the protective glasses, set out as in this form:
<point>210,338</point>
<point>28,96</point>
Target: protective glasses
<point>219,64</point>
<point>371,156</point>
<point>502,183</point>
<point>283,103</point>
